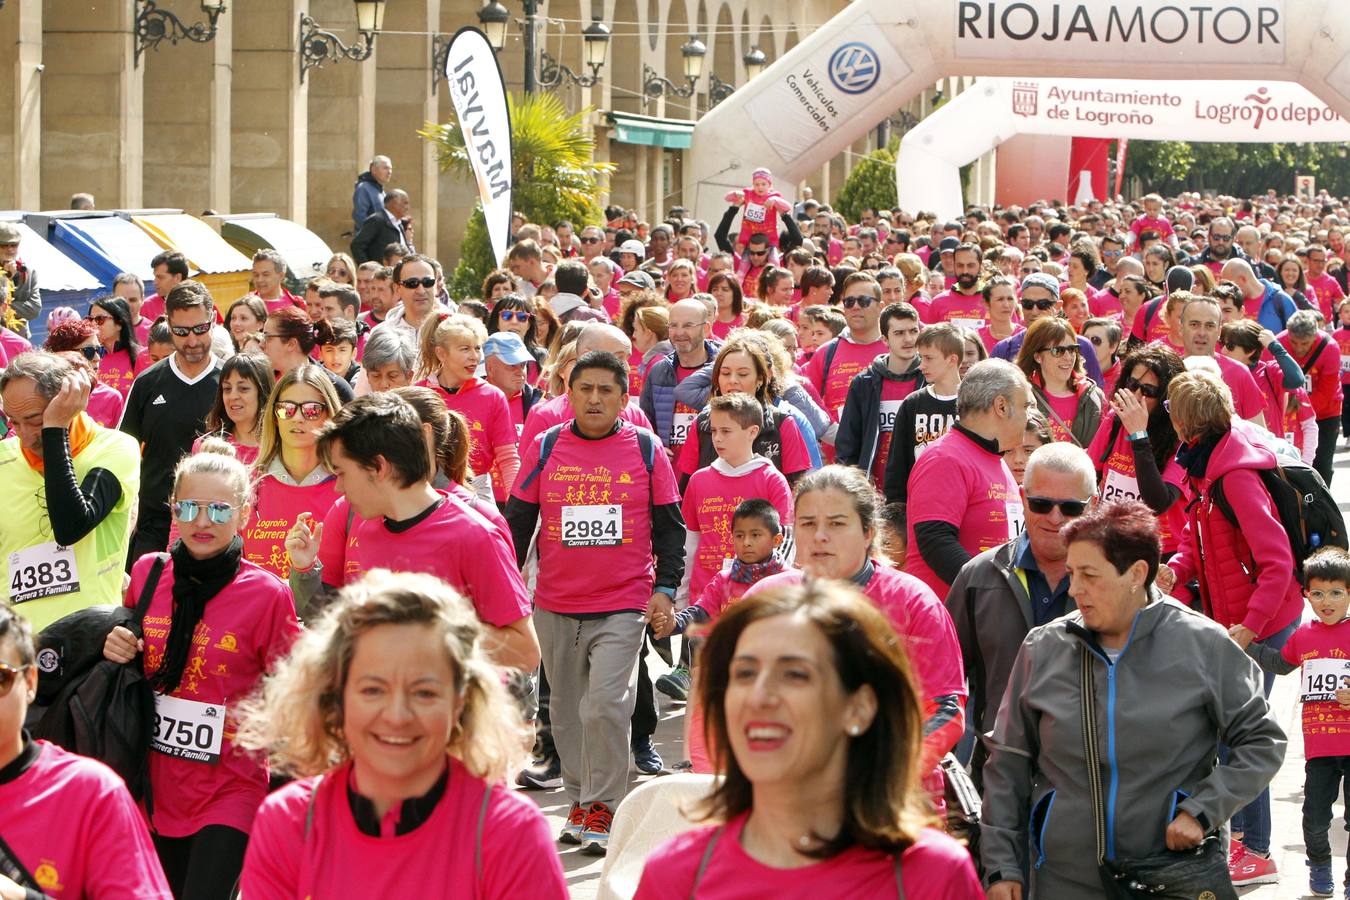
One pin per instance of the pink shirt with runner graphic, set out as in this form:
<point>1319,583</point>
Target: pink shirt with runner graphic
<point>275,510</point>
<point>1326,727</point>
<point>849,360</point>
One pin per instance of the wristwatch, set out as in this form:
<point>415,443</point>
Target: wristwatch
<point>1138,435</point>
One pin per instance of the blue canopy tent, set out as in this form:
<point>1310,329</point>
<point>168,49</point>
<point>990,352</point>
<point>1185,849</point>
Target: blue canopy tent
<point>103,243</point>
<point>63,281</point>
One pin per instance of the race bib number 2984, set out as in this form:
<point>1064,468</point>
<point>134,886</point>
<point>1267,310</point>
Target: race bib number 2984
<point>592,526</point>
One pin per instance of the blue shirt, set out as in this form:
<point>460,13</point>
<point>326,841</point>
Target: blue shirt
<point>1046,604</point>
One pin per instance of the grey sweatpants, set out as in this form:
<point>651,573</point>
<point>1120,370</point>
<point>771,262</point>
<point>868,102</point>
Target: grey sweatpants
<point>592,673</point>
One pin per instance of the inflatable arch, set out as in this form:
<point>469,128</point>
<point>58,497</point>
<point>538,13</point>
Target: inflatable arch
<point>875,55</point>
<point>927,171</point>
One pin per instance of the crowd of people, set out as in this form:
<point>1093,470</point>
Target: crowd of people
<point>902,504</point>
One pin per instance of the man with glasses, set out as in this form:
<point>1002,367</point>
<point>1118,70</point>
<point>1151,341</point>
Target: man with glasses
<point>1219,247</point>
<point>167,407</point>
<point>1040,298</point>
<point>415,284</point>
<point>1201,325</point>
<point>592,242</point>
<point>1113,249</point>
<point>68,491</point>
<point>833,367</point>
<point>1327,288</point>
<point>1004,592</point>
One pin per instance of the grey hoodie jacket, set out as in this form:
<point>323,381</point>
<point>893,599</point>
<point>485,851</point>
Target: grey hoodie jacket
<point>1179,686</point>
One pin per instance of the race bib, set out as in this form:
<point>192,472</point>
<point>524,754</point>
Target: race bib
<point>889,410</point>
<point>1345,364</point>
<point>1119,486</point>
<point>1289,436</point>
<point>754,212</point>
<point>43,570</point>
<point>1322,678</point>
<point>1016,518</point>
<point>592,526</point>
<point>972,324</point>
<point>679,428</point>
<point>188,729</point>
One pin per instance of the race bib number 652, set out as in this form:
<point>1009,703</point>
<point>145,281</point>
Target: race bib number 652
<point>592,526</point>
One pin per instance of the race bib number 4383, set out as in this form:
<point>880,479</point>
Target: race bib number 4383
<point>592,526</point>
<point>188,729</point>
<point>1322,678</point>
<point>43,570</point>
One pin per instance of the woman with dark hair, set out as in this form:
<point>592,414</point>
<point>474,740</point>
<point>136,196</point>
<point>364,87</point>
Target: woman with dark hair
<point>840,273</point>
<point>813,717</point>
<point>289,339</point>
<point>1291,278</point>
<point>1158,261</point>
<point>498,284</point>
<point>514,313</point>
<point>1141,310</point>
<point>1166,685</point>
<point>1053,363</point>
<point>726,290</point>
<point>123,360</point>
<point>1135,447</point>
<point>246,384</point>
<point>216,623</point>
<point>246,316</point>
<point>774,287</point>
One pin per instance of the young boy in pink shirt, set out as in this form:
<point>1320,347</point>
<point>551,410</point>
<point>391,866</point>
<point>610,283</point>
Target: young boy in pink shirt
<point>1322,648</point>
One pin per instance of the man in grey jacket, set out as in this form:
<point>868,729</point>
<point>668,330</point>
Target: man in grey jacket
<point>27,299</point>
<point>1004,592</point>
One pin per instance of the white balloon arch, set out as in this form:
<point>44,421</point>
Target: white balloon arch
<point>876,55</point>
<point>927,171</point>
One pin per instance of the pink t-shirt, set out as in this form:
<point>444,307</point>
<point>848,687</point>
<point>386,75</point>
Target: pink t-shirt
<point>1151,223</point>
<point>1117,479</point>
<point>935,867</point>
<point>721,329</point>
<point>850,360</point>
<point>74,827</point>
<point>1156,329</point>
<point>1247,397</point>
<point>1329,293</point>
<point>11,345</point>
<point>105,406</point>
<point>988,339</point>
<point>1105,304</point>
<point>275,510</point>
<point>152,308</point>
<point>959,482</point>
<point>439,856</point>
<point>959,309</point>
<point>118,372</point>
<point>1342,338</point>
<point>454,543</point>
<point>545,414</point>
<point>710,499</point>
<point>490,425</point>
<point>244,630</point>
<point>595,501</point>
<point>1326,727</point>
<point>1065,408</point>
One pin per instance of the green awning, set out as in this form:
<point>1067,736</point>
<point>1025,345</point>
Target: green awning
<point>673,134</point>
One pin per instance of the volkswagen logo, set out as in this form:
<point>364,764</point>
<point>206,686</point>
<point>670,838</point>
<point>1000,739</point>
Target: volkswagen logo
<point>854,68</point>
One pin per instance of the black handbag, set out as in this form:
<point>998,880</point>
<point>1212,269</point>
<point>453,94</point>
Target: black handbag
<point>1201,872</point>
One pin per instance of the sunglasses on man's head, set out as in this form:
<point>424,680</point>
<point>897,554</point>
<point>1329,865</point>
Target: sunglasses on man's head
<point>217,511</point>
<point>1042,305</point>
<point>1072,509</point>
<point>1151,391</point>
<point>181,331</point>
<point>411,283</point>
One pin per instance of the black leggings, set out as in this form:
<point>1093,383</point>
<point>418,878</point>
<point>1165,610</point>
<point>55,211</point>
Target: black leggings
<point>205,865</point>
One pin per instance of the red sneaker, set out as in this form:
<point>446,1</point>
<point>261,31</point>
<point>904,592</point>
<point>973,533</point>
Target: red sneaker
<point>595,835</point>
<point>1248,868</point>
<point>576,822</point>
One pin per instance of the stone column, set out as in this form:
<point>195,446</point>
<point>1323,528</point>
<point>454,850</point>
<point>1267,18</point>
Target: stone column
<point>404,105</point>
<point>269,148</point>
<point>22,29</point>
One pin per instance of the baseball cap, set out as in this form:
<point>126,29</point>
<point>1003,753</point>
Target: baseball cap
<point>948,243</point>
<point>633,247</point>
<point>640,279</point>
<point>507,347</point>
<point>9,233</point>
<point>1042,280</point>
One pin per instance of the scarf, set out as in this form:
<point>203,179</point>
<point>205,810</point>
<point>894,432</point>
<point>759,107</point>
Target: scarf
<point>195,581</point>
<point>751,573</point>
<point>1194,458</point>
<point>80,434</point>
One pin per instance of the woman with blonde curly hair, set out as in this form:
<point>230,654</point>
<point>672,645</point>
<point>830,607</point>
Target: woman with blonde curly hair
<point>402,733</point>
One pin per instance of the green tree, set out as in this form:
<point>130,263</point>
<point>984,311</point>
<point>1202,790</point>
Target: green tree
<point>553,170</point>
<point>870,184</point>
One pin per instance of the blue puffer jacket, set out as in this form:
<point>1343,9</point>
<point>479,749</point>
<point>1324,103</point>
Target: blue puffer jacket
<point>658,391</point>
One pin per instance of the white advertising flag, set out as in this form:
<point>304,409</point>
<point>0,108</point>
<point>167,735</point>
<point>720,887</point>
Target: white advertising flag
<point>479,95</point>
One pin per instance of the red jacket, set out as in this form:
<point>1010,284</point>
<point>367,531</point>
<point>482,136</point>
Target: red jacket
<point>1325,375</point>
<point>1246,575</point>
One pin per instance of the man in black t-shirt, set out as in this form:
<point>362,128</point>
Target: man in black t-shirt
<point>166,410</point>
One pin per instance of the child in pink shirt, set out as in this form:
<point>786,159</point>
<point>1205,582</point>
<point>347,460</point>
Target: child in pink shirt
<point>1322,649</point>
<point>760,205</point>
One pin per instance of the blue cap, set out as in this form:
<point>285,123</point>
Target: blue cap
<point>507,347</point>
<point>1042,280</point>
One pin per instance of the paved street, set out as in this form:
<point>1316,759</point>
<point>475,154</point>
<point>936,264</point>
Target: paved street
<point>583,872</point>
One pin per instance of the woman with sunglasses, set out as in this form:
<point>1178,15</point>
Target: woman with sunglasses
<point>77,341</point>
<point>69,821</point>
<point>289,341</point>
<point>1000,306</point>
<point>341,268</point>
<point>122,359</point>
<point>246,383</point>
<point>1053,363</point>
<point>514,313</point>
<point>291,478</point>
<point>1135,447</point>
<point>1104,335</point>
<point>216,623</point>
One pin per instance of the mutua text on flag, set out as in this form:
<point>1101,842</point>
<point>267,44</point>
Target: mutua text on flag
<point>479,96</point>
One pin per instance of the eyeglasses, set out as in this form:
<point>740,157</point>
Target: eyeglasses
<point>180,331</point>
<point>758,252</point>
<point>1220,237</point>
<point>309,410</point>
<point>1315,596</point>
<point>9,675</point>
<point>1042,305</point>
<point>425,282</point>
<point>1071,509</point>
<point>1151,391</point>
<point>1057,352</point>
<point>91,353</point>
<point>590,240</point>
<point>217,511</point>
<point>862,301</point>
<point>1113,253</point>
<point>518,315</point>
<point>98,319</point>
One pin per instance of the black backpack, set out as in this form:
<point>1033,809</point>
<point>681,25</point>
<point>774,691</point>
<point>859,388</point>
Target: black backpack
<point>91,705</point>
<point>1304,505</point>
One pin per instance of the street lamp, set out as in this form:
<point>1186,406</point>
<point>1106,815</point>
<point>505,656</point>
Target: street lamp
<point>596,38</point>
<point>154,25</point>
<point>655,85</point>
<point>494,18</point>
<point>755,61</point>
<point>719,90</point>
<point>318,46</point>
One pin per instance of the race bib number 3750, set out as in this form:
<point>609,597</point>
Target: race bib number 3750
<point>592,526</point>
<point>188,729</point>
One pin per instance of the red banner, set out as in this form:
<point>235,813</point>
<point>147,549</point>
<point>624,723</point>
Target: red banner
<point>1122,146</point>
